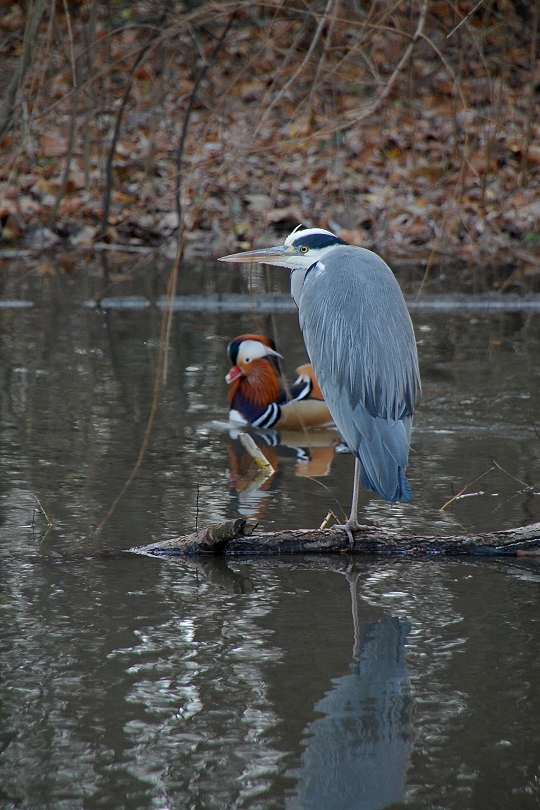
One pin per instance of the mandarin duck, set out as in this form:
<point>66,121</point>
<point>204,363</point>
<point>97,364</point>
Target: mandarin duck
<point>256,397</point>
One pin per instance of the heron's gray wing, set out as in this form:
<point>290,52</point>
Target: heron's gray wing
<point>360,340</point>
<point>381,445</point>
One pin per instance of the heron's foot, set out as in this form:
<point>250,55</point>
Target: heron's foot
<point>350,527</point>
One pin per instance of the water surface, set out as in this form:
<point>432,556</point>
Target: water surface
<point>308,683</point>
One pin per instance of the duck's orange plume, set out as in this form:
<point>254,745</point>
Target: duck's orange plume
<point>262,385</point>
<point>259,383</point>
<point>266,341</point>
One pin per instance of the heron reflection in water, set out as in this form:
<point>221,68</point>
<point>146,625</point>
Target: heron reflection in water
<point>356,755</point>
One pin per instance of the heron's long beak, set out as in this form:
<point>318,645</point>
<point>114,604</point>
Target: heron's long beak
<point>263,255</point>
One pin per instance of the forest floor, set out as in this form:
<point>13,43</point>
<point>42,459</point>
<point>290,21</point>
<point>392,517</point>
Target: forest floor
<point>441,172</point>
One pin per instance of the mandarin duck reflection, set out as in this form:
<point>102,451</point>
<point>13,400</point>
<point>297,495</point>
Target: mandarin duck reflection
<point>256,397</point>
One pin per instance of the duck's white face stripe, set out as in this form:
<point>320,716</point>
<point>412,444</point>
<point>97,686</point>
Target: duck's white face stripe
<point>253,350</point>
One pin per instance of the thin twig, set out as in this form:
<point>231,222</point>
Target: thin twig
<point>71,46</point>
<point>523,483</point>
<point>370,109</point>
<point>67,167</point>
<point>465,488</point>
<point>329,516</point>
<point>43,512</point>
<point>453,31</point>
<point>322,59</point>
<point>320,483</point>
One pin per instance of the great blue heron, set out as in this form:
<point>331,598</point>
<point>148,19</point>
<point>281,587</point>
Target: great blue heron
<point>360,340</point>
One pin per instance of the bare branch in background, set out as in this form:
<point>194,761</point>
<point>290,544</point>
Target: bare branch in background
<point>383,95</point>
<point>299,69</point>
<point>185,126</point>
<point>465,18</point>
<point>112,148</point>
<point>9,104</point>
<point>533,95</point>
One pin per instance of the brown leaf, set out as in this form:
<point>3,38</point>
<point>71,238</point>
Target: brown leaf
<point>354,236</point>
<point>259,202</point>
<point>45,269</point>
<point>53,144</point>
<point>281,214</point>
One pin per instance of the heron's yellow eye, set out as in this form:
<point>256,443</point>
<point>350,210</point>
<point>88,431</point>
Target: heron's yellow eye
<point>304,249</point>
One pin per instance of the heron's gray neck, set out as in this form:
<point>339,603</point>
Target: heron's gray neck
<point>297,282</point>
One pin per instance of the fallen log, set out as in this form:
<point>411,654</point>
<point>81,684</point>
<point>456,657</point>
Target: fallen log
<point>235,538</point>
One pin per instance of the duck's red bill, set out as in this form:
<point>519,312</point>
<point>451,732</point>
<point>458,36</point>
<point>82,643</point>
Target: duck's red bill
<point>233,374</point>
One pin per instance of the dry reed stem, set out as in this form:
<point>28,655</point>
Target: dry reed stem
<point>151,418</point>
<point>43,512</point>
<point>168,310</point>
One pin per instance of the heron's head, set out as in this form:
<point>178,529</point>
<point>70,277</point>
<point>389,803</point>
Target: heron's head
<point>302,248</point>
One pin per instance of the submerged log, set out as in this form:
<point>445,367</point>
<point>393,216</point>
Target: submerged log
<point>237,537</point>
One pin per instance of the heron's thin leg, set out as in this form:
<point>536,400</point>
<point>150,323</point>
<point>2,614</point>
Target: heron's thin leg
<point>352,523</point>
<point>353,517</point>
<point>352,579</point>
